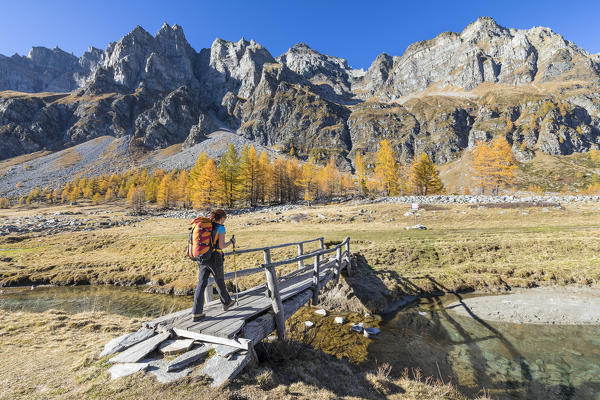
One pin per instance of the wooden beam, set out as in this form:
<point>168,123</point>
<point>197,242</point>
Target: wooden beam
<point>349,266</point>
<point>300,252</point>
<point>275,297</point>
<point>277,246</point>
<point>338,267</point>
<point>322,243</point>
<point>239,343</point>
<point>315,281</point>
<point>261,327</point>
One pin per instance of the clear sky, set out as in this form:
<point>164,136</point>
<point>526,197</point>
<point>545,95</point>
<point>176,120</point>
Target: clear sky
<point>355,30</point>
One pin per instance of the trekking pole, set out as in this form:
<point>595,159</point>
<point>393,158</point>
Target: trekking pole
<point>237,289</point>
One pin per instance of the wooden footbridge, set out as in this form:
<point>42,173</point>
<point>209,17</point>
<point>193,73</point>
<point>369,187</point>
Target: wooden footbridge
<point>234,333</point>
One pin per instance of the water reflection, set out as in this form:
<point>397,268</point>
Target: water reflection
<point>511,361</point>
<point>127,301</point>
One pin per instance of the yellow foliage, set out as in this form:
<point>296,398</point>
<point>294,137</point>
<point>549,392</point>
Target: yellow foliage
<point>494,165</point>
<point>424,177</point>
<point>386,168</point>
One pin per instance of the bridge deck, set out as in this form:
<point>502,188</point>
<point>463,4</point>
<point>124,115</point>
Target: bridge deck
<point>226,324</point>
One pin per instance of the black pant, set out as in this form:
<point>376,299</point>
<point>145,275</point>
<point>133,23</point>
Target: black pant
<point>214,267</point>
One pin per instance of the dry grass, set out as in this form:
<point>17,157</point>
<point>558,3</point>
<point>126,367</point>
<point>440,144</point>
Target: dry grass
<point>464,249</point>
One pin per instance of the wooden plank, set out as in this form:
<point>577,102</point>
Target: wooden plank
<point>238,342</point>
<point>277,246</point>
<point>349,265</point>
<point>240,273</point>
<point>276,302</point>
<point>140,350</point>
<point>315,281</point>
<point>250,307</point>
<point>167,318</point>
<point>338,266</point>
<point>300,252</point>
<point>261,327</point>
<point>227,330</point>
<point>217,313</point>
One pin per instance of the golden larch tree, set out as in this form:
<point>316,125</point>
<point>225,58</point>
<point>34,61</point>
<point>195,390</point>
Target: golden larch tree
<point>361,173</point>
<point>424,177</point>
<point>209,186</point>
<point>386,168</point>
<point>494,165</point>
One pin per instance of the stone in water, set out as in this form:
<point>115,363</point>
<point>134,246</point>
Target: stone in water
<point>357,328</point>
<point>371,332</point>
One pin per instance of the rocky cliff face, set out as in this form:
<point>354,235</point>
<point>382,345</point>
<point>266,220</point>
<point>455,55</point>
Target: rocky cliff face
<point>441,96</point>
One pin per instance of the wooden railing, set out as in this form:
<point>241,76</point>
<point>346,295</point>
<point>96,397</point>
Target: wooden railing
<point>340,261</point>
<point>208,293</point>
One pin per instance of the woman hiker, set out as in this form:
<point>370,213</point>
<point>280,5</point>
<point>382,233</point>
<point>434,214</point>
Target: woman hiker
<point>214,267</point>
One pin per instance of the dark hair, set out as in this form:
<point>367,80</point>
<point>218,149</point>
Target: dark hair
<point>217,215</point>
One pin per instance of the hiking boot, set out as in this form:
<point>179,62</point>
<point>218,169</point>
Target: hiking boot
<point>198,317</point>
<point>228,305</point>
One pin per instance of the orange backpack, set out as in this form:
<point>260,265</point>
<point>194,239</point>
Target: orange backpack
<point>202,242</point>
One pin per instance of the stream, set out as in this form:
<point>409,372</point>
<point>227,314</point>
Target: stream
<point>504,360</point>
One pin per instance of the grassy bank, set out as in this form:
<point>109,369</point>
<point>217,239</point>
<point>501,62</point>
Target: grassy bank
<point>54,355</point>
<point>465,248</point>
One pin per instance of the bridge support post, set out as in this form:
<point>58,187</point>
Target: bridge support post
<point>349,258</point>
<point>338,264</point>
<point>322,243</point>
<point>300,252</point>
<point>315,281</point>
<point>276,302</point>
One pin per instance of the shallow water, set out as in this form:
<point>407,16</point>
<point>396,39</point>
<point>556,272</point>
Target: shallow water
<point>127,301</point>
<point>508,360</point>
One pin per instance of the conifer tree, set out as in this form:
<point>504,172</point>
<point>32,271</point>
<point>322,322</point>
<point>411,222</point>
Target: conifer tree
<point>386,168</point>
<point>494,165</point>
<point>229,173</point>
<point>424,177</point>
<point>109,195</point>
<point>361,173</point>
<point>136,199</point>
<point>264,179</point>
<point>181,189</point>
<point>167,193</point>
<point>308,181</point>
<point>293,171</point>
<point>250,170</point>
<point>209,182</point>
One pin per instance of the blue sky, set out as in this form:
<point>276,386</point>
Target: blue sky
<point>356,30</point>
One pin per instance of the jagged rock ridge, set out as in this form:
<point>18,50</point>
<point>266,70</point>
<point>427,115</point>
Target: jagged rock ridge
<point>442,95</point>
